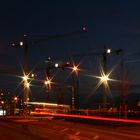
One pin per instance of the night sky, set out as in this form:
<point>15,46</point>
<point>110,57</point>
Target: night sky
<point>114,23</point>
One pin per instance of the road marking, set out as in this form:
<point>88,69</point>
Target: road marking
<point>25,120</point>
<point>77,133</point>
<point>95,137</point>
<point>117,133</point>
<point>65,129</point>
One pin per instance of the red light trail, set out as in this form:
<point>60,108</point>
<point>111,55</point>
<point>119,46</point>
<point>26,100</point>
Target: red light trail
<point>89,117</point>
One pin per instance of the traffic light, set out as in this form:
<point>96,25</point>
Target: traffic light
<point>62,65</point>
<point>18,45</point>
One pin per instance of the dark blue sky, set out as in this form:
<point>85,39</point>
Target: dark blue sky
<point>115,23</point>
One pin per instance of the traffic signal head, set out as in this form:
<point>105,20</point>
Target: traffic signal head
<point>17,45</point>
<point>61,64</point>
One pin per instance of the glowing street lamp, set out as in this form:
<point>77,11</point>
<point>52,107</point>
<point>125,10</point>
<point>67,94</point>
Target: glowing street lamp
<point>104,78</point>
<point>47,82</point>
<point>26,87</point>
<point>21,43</point>
<point>108,50</point>
<point>32,75</point>
<point>75,68</point>
<point>25,78</point>
<point>15,99</point>
<point>2,102</point>
<point>56,65</point>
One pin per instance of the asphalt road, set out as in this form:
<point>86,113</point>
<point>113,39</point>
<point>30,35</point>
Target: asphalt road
<point>49,129</point>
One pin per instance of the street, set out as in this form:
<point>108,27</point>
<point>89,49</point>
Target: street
<point>50,129</point>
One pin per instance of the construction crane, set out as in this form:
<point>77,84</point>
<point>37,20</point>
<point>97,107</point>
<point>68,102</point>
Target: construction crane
<point>25,45</point>
<point>103,55</point>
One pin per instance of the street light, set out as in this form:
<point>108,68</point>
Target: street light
<point>104,55</point>
<point>108,50</point>
<point>56,65</point>
<point>15,99</point>
<point>26,87</point>
<point>75,70</point>
<point>47,82</point>
<point>21,43</point>
<point>2,102</point>
<point>104,78</point>
<point>25,78</point>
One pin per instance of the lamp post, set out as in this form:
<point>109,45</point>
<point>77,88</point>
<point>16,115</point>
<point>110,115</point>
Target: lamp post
<point>15,102</point>
<point>104,78</point>
<point>26,88</point>
<point>104,55</point>
<point>75,69</point>
<point>2,104</point>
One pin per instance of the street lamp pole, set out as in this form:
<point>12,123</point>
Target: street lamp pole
<point>26,48</point>
<point>76,87</point>
<point>105,72</point>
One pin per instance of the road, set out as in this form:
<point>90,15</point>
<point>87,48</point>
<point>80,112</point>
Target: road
<point>50,129</point>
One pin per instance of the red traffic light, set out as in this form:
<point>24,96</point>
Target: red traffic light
<point>15,45</point>
<point>65,64</point>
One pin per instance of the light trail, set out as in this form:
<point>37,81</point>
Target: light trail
<point>91,117</point>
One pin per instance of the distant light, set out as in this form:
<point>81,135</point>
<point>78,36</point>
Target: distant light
<point>75,68</point>
<point>13,44</point>
<point>108,50</point>
<point>56,65</point>
<point>2,102</point>
<point>47,82</point>
<point>27,85</point>
<point>68,63</point>
<point>104,78</point>
<point>25,35</point>
<point>2,112</point>
<point>84,29</point>
<point>49,58</point>
<point>21,43</point>
<point>15,98</point>
<point>32,75</point>
<point>25,77</point>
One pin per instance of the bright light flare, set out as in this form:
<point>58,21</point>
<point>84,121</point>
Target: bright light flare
<point>2,102</point>
<point>21,43</point>
<point>104,78</point>
<point>32,75</point>
<point>15,98</point>
<point>56,65</point>
<point>25,77</point>
<point>75,68</point>
<point>27,85</point>
<point>47,82</point>
<point>108,50</point>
